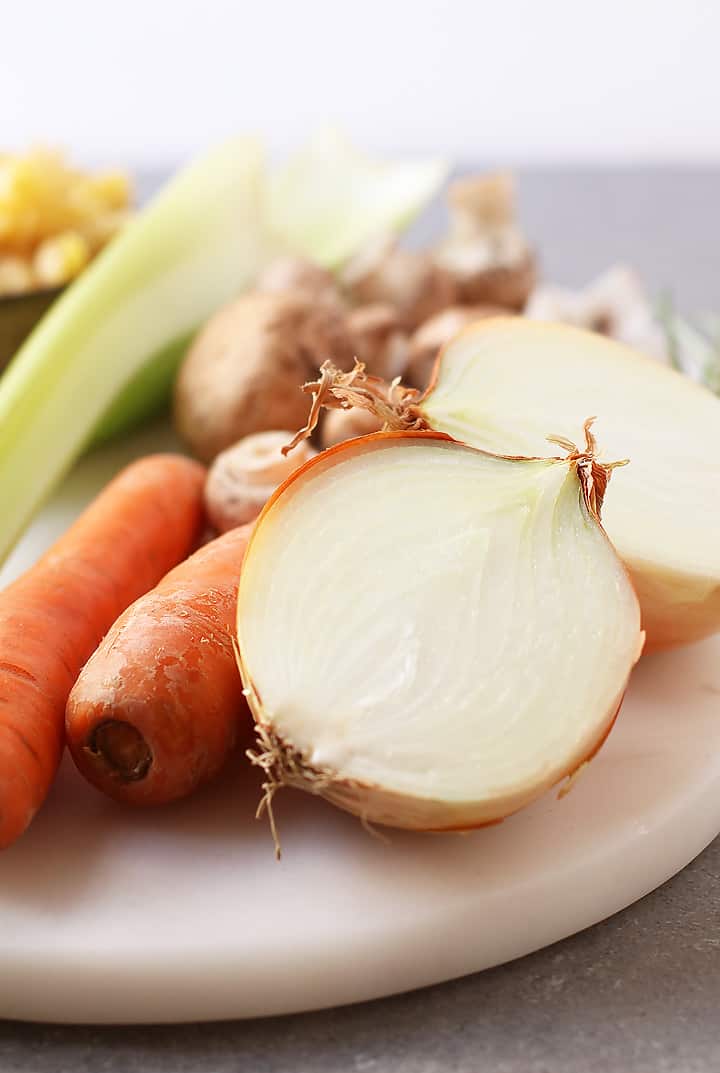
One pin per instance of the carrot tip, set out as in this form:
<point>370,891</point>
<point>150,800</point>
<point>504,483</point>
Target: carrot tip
<point>122,750</point>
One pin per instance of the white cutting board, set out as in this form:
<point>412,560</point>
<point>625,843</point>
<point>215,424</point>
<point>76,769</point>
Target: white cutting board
<point>112,915</point>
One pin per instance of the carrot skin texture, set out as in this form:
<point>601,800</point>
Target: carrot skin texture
<point>54,616</point>
<point>167,668</point>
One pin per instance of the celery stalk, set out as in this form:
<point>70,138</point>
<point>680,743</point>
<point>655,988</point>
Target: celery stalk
<point>146,394</point>
<point>104,356</point>
<point>325,203</point>
<point>330,199</point>
<point>195,246</point>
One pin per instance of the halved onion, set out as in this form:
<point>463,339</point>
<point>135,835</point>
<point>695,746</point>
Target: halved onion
<point>504,384</point>
<point>429,635</point>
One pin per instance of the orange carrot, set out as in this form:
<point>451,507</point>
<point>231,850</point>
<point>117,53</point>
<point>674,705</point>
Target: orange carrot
<point>54,616</point>
<point>159,706</point>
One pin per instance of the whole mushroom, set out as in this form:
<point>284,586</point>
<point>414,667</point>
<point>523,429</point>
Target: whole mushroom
<point>245,370</point>
<point>242,478</point>
<point>290,273</point>
<point>409,281</point>
<point>378,339</point>
<point>430,337</point>
<point>485,251</point>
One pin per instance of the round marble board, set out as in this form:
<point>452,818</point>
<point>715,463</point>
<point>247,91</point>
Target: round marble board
<point>114,915</point>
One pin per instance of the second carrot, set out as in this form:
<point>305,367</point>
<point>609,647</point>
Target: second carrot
<point>159,706</point>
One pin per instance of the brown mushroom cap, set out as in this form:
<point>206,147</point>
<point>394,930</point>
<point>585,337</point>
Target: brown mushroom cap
<point>485,251</point>
<point>409,281</point>
<point>242,478</point>
<point>378,339</point>
<point>291,273</point>
<point>427,341</point>
<point>245,369</point>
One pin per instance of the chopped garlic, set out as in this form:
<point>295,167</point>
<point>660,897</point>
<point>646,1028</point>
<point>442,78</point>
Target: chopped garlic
<point>614,304</point>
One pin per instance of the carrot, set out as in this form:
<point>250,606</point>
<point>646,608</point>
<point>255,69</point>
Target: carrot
<point>159,706</point>
<point>54,616</point>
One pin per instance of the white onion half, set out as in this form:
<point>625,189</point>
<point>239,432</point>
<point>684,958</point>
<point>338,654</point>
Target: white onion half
<point>505,384</point>
<point>430,636</point>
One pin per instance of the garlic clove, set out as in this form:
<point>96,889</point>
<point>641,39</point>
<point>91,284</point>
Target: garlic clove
<point>614,304</point>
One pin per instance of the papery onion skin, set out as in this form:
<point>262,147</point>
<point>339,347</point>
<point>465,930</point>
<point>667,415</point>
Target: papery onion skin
<point>286,765</point>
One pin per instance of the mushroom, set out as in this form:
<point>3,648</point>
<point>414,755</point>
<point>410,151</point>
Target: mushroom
<point>485,251</point>
<point>378,340</point>
<point>426,342</point>
<point>245,369</point>
<point>290,273</point>
<point>242,478</point>
<point>408,280</point>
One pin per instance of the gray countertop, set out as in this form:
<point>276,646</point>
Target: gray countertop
<point>639,993</point>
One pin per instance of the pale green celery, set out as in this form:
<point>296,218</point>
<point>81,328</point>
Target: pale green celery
<point>325,203</point>
<point>197,244</point>
<point>105,355</point>
<point>146,394</point>
<point>330,199</point>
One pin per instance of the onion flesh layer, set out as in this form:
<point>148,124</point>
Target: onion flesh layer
<point>431,636</point>
<point>506,384</point>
